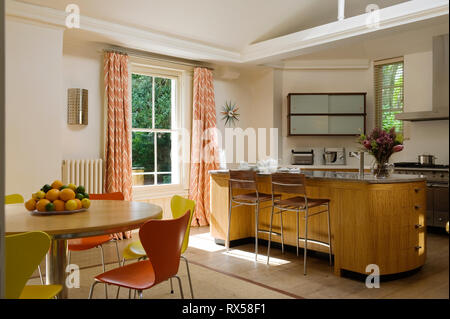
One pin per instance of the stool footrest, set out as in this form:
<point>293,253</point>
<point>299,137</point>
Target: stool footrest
<point>318,242</point>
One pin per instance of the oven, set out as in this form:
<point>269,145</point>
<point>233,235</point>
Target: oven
<point>437,189</point>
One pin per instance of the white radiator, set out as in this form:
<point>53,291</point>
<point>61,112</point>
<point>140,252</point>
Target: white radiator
<point>86,172</point>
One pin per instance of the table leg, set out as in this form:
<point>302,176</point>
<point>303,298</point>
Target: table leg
<point>56,262</point>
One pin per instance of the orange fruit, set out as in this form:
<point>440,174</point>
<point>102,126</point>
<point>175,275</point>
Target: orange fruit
<point>66,194</point>
<point>59,205</point>
<point>52,194</point>
<point>41,205</point>
<point>30,204</point>
<point>57,184</point>
<point>78,203</point>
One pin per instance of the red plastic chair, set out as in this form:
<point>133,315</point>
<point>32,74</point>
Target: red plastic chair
<point>162,241</point>
<point>86,243</point>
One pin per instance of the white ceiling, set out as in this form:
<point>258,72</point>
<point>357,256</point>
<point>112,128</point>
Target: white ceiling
<point>228,24</point>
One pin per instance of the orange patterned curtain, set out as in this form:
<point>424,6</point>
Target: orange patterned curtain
<point>118,131</point>
<point>204,146</point>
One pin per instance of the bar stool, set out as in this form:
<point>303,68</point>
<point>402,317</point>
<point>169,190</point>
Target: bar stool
<point>294,184</point>
<point>245,180</point>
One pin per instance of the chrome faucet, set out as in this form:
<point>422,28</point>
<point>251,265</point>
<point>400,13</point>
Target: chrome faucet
<point>359,155</point>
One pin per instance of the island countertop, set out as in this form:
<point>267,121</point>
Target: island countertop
<point>344,176</point>
<point>373,221</point>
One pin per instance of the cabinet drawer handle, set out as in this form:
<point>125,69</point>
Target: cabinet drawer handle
<point>418,247</point>
<point>417,226</point>
<point>440,219</point>
<point>417,190</point>
<point>416,207</point>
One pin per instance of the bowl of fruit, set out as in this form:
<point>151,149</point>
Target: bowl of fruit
<point>58,198</point>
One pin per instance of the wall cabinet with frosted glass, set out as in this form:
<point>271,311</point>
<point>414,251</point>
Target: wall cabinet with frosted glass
<point>330,114</point>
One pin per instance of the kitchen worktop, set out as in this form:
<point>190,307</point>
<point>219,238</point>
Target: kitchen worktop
<point>346,176</point>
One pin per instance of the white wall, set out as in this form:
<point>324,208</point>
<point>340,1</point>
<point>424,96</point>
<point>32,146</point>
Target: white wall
<point>83,68</point>
<point>34,106</point>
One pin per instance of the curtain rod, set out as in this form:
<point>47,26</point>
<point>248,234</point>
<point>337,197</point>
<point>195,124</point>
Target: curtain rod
<point>141,55</point>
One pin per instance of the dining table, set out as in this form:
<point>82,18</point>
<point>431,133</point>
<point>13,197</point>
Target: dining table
<point>102,217</point>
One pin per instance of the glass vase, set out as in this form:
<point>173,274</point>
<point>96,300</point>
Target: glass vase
<point>382,169</point>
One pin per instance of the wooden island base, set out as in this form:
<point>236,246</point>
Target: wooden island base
<point>371,223</point>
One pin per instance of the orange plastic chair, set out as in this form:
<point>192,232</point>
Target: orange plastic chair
<point>162,241</point>
<point>86,243</point>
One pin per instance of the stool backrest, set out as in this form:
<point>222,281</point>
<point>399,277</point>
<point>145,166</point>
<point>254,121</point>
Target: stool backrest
<point>289,183</point>
<point>243,179</point>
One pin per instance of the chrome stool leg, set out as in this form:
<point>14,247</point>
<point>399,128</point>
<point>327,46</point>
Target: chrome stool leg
<point>91,291</point>
<point>329,231</point>
<point>256,229</point>
<point>306,241</point>
<point>297,229</point>
<point>281,231</point>
<point>171,285</point>
<point>270,235</point>
<point>227,242</point>
<point>118,254</point>
<point>104,269</point>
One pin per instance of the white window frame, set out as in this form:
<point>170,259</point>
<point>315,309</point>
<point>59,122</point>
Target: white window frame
<point>180,119</point>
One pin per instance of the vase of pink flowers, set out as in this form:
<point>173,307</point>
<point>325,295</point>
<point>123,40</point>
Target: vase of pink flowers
<point>382,144</point>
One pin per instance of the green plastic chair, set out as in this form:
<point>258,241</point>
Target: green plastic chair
<point>179,206</point>
<point>23,253</point>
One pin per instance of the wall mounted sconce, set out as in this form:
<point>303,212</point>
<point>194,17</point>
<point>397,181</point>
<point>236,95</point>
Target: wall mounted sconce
<point>77,106</point>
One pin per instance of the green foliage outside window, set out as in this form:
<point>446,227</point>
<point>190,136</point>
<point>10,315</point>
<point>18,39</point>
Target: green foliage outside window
<point>392,95</point>
<point>143,142</point>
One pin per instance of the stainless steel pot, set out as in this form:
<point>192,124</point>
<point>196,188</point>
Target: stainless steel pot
<point>426,159</point>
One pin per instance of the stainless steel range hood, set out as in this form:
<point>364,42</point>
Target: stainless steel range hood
<point>439,109</point>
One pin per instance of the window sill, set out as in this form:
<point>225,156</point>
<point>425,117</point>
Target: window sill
<point>158,191</point>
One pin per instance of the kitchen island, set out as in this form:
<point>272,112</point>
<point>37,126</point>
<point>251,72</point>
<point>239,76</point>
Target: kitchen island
<point>373,221</point>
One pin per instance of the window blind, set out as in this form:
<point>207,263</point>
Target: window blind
<point>388,79</point>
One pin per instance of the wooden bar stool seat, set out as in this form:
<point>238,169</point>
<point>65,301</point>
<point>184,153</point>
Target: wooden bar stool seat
<point>253,197</point>
<point>295,184</point>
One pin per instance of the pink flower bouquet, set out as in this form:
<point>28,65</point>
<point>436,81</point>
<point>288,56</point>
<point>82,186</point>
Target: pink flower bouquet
<point>382,144</point>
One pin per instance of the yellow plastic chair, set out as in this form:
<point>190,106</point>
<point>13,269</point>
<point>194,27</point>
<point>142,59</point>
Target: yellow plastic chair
<point>23,252</point>
<point>14,199</point>
<point>18,199</point>
<point>179,206</point>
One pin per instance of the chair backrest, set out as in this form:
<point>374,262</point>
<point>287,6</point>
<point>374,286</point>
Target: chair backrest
<point>107,196</point>
<point>179,206</point>
<point>243,179</point>
<point>289,183</point>
<point>14,199</point>
<point>23,253</point>
<point>162,241</point>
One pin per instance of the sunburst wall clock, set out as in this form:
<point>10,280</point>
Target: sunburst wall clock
<point>230,114</point>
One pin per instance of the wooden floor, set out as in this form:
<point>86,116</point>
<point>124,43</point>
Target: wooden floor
<point>285,272</point>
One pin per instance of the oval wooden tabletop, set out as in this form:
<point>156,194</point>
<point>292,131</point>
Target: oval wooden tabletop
<point>102,217</point>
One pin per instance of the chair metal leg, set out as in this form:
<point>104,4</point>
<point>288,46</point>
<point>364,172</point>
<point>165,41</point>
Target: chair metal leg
<point>171,285</point>
<point>104,269</point>
<point>135,294</point>
<point>118,290</point>
<point>329,231</point>
<point>40,274</point>
<point>129,293</point>
<point>306,241</point>
<point>181,287</point>
<point>140,295</point>
<point>118,254</point>
<point>297,229</point>
<point>281,231</point>
<point>256,229</point>
<point>227,243</point>
<point>270,235</point>
<point>189,276</point>
<point>91,291</point>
